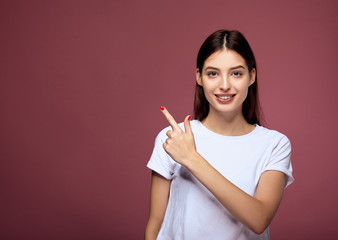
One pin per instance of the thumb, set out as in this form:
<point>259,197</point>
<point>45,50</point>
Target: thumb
<point>187,126</point>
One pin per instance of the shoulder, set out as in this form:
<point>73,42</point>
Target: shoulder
<point>270,133</point>
<point>273,138</point>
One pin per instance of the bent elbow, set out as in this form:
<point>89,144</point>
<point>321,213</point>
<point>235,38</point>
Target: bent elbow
<point>259,230</point>
<point>260,227</point>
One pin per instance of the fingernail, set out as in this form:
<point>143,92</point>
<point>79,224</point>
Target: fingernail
<point>189,117</point>
<point>162,108</point>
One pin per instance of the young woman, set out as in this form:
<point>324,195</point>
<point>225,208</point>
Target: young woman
<point>222,175</point>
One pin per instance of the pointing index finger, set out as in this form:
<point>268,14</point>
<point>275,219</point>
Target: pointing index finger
<point>170,119</point>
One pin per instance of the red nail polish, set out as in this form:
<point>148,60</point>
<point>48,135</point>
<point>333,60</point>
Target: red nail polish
<point>189,117</point>
<point>162,108</point>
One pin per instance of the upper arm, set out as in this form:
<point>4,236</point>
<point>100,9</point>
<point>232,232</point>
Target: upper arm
<point>159,196</point>
<point>270,191</point>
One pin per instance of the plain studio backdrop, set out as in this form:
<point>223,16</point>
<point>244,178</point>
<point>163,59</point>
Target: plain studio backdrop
<point>81,83</point>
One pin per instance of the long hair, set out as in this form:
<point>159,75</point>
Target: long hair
<point>232,40</point>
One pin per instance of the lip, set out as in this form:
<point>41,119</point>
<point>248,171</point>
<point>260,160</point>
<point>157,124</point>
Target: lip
<point>225,95</point>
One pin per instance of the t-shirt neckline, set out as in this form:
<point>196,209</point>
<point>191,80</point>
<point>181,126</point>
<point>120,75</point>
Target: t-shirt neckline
<point>210,132</point>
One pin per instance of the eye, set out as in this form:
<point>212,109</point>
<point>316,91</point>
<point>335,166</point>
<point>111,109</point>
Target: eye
<point>212,74</point>
<point>237,74</point>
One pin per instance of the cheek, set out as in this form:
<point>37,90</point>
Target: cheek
<point>210,85</point>
<point>243,86</point>
<point>209,91</point>
<point>244,91</point>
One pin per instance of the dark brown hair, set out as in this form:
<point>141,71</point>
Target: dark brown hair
<point>232,40</point>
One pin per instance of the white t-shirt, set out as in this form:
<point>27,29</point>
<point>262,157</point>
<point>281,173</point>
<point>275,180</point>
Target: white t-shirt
<point>193,212</point>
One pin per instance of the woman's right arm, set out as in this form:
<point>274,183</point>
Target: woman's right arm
<point>159,196</point>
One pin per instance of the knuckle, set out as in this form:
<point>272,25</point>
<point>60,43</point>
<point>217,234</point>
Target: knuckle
<point>165,146</point>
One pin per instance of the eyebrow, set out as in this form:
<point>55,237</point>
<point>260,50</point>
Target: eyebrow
<point>239,66</point>
<point>232,68</point>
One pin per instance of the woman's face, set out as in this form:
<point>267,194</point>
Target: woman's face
<point>225,79</point>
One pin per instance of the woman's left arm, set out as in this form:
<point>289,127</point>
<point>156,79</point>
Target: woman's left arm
<point>254,212</point>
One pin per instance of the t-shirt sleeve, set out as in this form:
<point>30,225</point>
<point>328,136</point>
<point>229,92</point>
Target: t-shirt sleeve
<point>280,159</point>
<point>160,161</point>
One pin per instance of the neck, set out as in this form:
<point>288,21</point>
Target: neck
<point>227,124</point>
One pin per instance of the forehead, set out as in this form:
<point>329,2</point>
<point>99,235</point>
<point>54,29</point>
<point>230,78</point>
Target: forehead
<point>224,58</point>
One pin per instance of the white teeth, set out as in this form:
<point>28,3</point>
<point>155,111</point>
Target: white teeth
<point>224,97</point>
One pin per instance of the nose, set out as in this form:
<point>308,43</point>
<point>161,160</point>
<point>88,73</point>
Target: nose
<point>225,83</point>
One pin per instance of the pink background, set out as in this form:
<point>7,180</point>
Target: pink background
<point>81,83</point>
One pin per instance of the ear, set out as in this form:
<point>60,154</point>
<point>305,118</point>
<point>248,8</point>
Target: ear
<point>198,77</point>
<point>252,76</point>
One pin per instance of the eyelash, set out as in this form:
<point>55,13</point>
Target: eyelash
<point>214,74</point>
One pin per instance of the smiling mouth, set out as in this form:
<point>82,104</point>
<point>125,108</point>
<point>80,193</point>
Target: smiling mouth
<point>225,97</point>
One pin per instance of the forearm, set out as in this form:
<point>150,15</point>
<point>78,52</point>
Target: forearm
<point>249,210</point>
